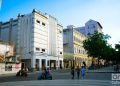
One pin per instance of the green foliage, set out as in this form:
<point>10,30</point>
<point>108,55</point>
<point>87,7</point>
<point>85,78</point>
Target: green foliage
<point>97,46</point>
<point>117,48</point>
<point>68,57</point>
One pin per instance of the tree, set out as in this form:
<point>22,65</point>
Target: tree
<point>97,46</point>
<point>117,49</point>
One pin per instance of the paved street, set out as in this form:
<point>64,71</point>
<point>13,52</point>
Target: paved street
<point>60,78</point>
<point>59,83</point>
<point>57,75</point>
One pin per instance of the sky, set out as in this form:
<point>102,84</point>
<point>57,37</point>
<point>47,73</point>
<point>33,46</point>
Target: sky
<point>70,12</point>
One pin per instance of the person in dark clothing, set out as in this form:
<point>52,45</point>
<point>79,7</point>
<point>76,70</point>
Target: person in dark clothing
<point>117,68</point>
<point>45,75</point>
<point>72,72</point>
<point>78,72</point>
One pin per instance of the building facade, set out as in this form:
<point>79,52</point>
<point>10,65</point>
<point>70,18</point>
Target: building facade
<point>73,45</point>
<point>90,27</point>
<point>7,53</point>
<point>38,39</point>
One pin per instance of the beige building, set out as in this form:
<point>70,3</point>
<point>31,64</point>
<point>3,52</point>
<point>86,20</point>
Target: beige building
<point>7,52</point>
<point>74,53</point>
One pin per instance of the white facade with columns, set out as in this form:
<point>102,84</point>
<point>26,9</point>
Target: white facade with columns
<point>39,40</point>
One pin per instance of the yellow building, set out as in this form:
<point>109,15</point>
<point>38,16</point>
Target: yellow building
<point>74,53</point>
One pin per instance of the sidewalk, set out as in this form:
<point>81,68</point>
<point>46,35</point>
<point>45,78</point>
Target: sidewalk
<point>109,69</point>
<point>101,70</point>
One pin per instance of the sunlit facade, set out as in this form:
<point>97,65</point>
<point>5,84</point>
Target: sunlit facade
<point>73,44</point>
<point>38,38</point>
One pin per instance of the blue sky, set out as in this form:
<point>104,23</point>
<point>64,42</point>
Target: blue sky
<point>75,12</point>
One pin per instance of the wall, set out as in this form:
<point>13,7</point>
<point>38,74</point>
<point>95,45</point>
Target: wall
<point>52,36</point>
<point>15,68</point>
<point>68,40</point>
<point>6,48</point>
<point>25,36</point>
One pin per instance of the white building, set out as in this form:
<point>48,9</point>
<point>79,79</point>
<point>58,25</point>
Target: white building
<point>90,27</point>
<point>38,38</point>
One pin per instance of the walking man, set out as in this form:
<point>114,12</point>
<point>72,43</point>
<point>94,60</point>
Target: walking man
<point>72,72</point>
<point>78,72</point>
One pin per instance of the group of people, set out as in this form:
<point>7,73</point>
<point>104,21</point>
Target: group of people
<point>79,71</point>
<point>45,75</point>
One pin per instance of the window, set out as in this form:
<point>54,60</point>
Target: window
<point>93,26</point>
<point>88,34</point>
<point>43,50</point>
<point>60,52</point>
<point>60,31</point>
<point>38,49</point>
<point>43,23</point>
<point>38,21</point>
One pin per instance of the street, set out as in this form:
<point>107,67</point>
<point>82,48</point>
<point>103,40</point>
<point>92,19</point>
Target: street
<point>100,77</point>
<point>57,75</point>
<point>59,83</point>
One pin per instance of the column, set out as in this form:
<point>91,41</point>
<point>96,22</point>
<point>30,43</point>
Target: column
<point>58,63</point>
<point>46,63</point>
<point>33,62</point>
<point>40,65</point>
<point>62,64</point>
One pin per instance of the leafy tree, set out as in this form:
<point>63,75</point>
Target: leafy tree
<point>117,56</point>
<point>97,46</point>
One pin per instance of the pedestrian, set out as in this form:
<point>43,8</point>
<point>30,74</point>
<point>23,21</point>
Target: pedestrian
<point>78,72</point>
<point>82,72</point>
<point>48,71</point>
<point>117,68</point>
<point>72,72</point>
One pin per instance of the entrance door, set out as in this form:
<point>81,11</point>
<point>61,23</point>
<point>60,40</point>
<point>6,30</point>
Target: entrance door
<point>43,63</point>
<point>60,64</point>
<point>23,65</point>
<point>52,64</point>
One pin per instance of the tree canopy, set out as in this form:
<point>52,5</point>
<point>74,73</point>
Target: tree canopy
<point>97,45</point>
